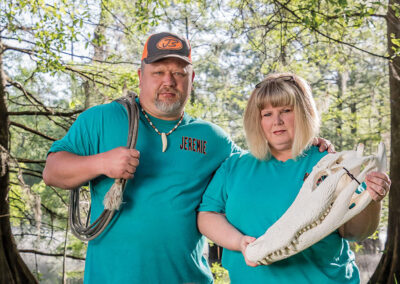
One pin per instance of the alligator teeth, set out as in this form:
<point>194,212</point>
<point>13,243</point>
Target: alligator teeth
<point>263,261</point>
<point>306,230</point>
<point>295,241</point>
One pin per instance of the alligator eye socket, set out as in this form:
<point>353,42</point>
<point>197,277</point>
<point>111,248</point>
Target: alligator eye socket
<point>339,160</point>
<point>320,180</point>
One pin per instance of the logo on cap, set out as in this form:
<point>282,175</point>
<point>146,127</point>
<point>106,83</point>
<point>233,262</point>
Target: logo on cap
<point>169,43</point>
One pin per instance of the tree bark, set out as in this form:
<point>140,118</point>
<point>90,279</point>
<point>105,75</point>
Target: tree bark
<point>388,270</point>
<point>92,96</point>
<point>12,267</point>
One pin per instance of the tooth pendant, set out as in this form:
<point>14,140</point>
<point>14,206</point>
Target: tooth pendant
<point>163,135</point>
<point>164,141</point>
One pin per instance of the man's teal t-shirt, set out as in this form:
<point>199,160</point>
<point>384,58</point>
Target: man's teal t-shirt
<point>254,194</point>
<point>154,237</point>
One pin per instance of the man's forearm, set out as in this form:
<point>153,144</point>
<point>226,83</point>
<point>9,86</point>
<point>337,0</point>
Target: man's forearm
<point>67,170</point>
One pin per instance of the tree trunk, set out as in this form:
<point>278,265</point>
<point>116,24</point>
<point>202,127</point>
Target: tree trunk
<point>92,96</point>
<point>353,111</point>
<point>12,267</point>
<point>388,270</point>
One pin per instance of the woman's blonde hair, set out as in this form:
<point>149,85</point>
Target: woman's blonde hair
<point>281,89</point>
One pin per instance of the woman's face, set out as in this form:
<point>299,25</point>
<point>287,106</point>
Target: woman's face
<point>278,126</point>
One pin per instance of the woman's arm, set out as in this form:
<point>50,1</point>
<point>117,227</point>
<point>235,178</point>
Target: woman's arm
<point>216,227</point>
<point>366,222</point>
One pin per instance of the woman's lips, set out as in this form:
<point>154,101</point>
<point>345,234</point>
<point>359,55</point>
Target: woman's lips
<point>279,132</point>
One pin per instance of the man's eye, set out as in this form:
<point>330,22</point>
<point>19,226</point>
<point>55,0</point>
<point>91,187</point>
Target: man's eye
<point>179,74</point>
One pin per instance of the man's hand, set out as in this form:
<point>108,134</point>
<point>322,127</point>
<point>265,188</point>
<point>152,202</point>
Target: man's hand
<point>324,145</point>
<point>120,162</point>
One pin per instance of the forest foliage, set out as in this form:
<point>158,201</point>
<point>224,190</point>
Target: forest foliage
<point>61,57</point>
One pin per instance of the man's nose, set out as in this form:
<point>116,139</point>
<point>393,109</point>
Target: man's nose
<point>169,79</point>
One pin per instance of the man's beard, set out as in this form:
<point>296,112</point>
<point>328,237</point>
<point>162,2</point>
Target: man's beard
<point>171,108</point>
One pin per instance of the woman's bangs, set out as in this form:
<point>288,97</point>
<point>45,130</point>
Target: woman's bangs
<point>275,95</point>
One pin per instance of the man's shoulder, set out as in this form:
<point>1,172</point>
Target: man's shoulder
<point>196,120</point>
<point>217,139</point>
<point>100,110</point>
<point>111,106</point>
<point>209,126</point>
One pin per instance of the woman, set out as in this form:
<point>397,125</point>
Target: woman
<point>250,191</point>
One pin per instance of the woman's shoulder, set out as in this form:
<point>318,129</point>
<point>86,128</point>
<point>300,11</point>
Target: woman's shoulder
<point>314,153</point>
<point>243,155</point>
<point>239,159</point>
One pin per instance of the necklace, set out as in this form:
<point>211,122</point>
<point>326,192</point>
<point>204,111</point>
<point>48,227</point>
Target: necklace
<point>162,134</point>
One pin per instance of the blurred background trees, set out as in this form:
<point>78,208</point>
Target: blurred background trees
<point>57,58</point>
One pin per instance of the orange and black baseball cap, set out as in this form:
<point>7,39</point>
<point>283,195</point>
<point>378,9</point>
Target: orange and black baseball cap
<point>165,45</point>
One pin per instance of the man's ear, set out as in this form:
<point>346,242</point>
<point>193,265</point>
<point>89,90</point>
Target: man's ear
<point>193,76</point>
<point>139,72</point>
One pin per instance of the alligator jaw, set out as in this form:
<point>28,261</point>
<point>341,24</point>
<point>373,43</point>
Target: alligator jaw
<point>318,210</point>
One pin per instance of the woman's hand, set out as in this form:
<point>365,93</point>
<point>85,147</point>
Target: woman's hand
<point>366,222</point>
<point>378,185</point>
<point>244,242</point>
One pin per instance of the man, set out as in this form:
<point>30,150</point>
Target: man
<point>154,237</point>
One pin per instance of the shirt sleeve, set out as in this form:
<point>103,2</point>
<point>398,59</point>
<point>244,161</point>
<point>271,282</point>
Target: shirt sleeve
<point>215,197</point>
<point>80,138</point>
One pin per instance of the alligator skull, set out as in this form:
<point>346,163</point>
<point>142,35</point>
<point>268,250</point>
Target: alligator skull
<point>327,199</point>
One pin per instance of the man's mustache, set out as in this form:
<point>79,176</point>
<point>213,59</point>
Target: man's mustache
<point>169,90</point>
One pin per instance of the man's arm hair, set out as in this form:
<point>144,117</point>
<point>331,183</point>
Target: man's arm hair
<point>67,170</point>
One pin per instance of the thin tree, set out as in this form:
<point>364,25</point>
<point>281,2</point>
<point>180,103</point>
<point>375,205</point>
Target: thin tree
<point>12,267</point>
<point>388,269</point>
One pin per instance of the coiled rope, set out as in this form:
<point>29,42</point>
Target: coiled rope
<point>113,199</point>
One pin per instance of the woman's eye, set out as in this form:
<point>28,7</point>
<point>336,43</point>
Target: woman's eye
<point>267,114</point>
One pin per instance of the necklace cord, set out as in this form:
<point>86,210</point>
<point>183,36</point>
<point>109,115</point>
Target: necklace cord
<point>155,128</point>
<point>164,140</point>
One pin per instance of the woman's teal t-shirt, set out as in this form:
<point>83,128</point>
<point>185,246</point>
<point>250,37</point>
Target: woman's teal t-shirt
<point>254,194</point>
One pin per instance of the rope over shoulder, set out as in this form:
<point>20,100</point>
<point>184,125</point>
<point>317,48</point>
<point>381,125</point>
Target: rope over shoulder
<point>113,199</point>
